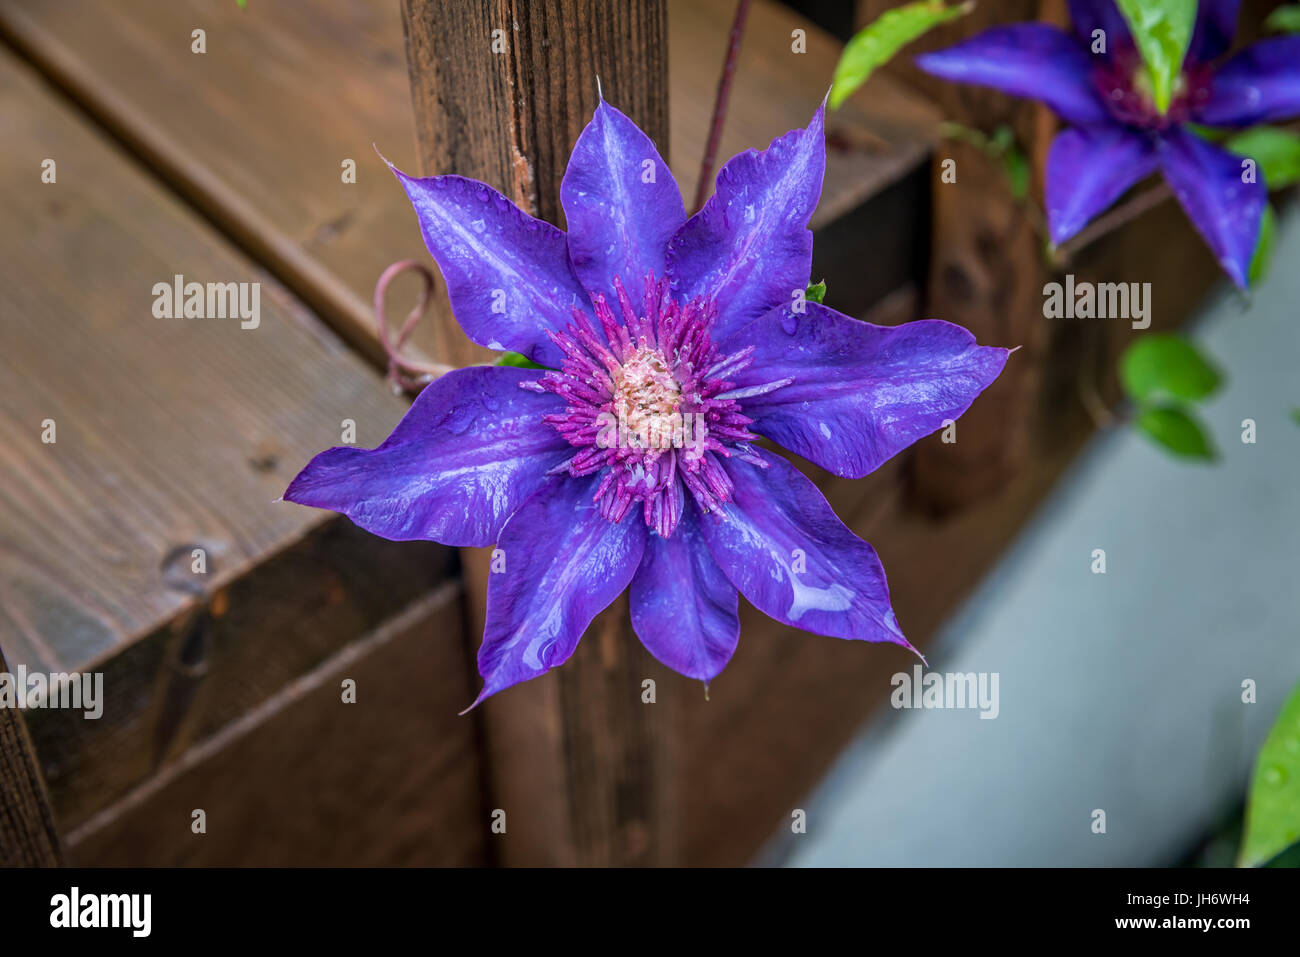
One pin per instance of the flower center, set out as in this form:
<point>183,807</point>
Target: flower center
<point>1125,87</point>
<point>646,396</point>
<point>650,405</point>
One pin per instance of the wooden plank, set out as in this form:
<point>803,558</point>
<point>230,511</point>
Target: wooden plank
<point>987,276</point>
<point>286,92</point>
<point>170,434</point>
<point>581,738</point>
<point>254,131</point>
<point>307,780</point>
<point>209,666</point>
<point>28,835</point>
<point>168,431</point>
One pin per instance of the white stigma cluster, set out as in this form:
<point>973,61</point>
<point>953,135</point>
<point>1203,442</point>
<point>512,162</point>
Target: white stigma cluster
<point>646,396</point>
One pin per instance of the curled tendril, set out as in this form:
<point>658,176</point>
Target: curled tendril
<point>406,375</point>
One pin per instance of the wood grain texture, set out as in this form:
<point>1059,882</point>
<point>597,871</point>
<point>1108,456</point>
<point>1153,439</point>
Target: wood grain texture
<point>230,652</point>
<point>170,434</point>
<point>987,276</point>
<point>513,116</point>
<point>28,834</point>
<point>305,779</point>
<point>510,116</point>
<point>505,88</point>
<point>253,131</point>
<point>168,431</point>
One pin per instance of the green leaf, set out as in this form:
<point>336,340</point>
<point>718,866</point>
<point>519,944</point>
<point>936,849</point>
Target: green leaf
<point>1273,810</point>
<point>1288,858</point>
<point>1295,415</point>
<point>1003,139</point>
<point>967,134</point>
<point>1162,30</point>
<point>1163,365</point>
<point>1212,134</point>
<point>816,292</point>
<point>874,45</point>
<point>1016,166</point>
<point>515,359</point>
<point>1275,151</point>
<point>1001,147</point>
<point>1177,431</point>
<point>1285,19</point>
<point>1263,256</point>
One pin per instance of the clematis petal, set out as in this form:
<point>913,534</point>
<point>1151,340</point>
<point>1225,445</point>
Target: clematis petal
<point>1087,170</point>
<point>750,247</point>
<point>861,393</point>
<point>684,609</point>
<point>1025,59</point>
<point>508,275</point>
<point>621,203</point>
<point>564,563</point>
<point>1208,183</point>
<point>469,451</point>
<point>1216,23</point>
<point>778,541</point>
<point>1104,15</point>
<point>1258,85</point>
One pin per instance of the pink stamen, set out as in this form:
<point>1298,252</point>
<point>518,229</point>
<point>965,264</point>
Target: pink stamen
<point>650,403</point>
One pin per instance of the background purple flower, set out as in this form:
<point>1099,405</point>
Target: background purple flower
<point>1117,136</point>
<point>644,316</point>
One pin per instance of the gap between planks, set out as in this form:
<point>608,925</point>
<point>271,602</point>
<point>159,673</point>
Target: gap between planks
<point>235,219</point>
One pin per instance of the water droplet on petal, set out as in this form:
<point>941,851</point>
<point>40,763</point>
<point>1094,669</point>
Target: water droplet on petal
<point>789,323</point>
<point>460,420</point>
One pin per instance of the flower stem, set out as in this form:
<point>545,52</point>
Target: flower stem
<point>720,104</point>
<point>1121,215</point>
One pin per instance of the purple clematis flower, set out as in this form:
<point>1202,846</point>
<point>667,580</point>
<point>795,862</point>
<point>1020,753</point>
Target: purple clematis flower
<point>672,345</point>
<point>1117,137</point>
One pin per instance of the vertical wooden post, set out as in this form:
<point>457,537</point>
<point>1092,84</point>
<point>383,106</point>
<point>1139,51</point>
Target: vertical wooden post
<point>501,90</point>
<point>986,268</point>
<point>987,273</point>
<point>28,836</point>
